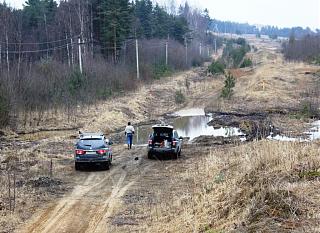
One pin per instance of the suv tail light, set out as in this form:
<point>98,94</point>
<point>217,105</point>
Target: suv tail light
<point>150,142</point>
<point>80,152</point>
<point>174,143</point>
<point>101,152</point>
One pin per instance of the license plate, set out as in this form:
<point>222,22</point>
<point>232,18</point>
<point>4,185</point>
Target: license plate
<point>90,152</point>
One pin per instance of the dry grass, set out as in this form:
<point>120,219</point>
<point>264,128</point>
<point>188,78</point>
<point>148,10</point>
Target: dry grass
<point>28,178</point>
<point>258,187</point>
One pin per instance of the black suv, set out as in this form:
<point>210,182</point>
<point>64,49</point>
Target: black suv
<point>164,141</point>
<point>93,148</point>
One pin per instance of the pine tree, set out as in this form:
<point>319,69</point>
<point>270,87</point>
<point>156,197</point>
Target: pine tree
<point>114,19</point>
<point>144,15</point>
<point>161,21</point>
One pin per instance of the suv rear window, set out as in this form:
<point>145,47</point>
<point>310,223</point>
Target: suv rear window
<point>162,132</point>
<point>92,143</point>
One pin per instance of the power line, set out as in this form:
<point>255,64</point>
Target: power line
<point>39,50</point>
<point>39,43</point>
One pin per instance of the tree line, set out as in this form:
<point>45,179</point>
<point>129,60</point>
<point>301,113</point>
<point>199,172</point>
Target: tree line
<point>43,45</point>
<point>304,49</point>
<point>245,28</point>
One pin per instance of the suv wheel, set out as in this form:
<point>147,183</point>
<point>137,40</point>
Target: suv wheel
<point>150,155</point>
<point>107,165</point>
<point>76,166</point>
<point>175,156</point>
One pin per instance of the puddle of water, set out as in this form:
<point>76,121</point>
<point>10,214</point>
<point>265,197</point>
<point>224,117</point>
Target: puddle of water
<point>195,126</point>
<point>283,138</point>
<point>314,132</point>
<point>190,123</point>
<point>311,135</point>
<point>191,112</point>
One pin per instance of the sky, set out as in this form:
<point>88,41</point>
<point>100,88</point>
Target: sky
<point>281,13</point>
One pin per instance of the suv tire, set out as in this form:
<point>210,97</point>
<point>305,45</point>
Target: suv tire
<point>106,166</point>
<point>76,166</point>
<point>175,155</point>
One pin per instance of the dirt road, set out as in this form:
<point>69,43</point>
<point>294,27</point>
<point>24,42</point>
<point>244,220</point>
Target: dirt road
<point>94,198</point>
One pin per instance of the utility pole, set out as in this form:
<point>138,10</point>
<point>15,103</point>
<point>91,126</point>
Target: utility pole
<point>137,58</point>
<point>68,50</point>
<point>215,45</point>
<point>167,51</point>
<point>115,45</point>
<point>7,42</point>
<point>186,45</point>
<point>80,55</point>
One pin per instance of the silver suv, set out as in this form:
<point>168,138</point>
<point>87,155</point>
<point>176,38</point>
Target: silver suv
<point>93,148</point>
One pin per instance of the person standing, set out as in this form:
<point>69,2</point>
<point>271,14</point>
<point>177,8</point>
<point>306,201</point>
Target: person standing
<point>129,132</point>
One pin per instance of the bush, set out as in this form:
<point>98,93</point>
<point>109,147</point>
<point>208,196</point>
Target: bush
<point>216,67</point>
<point>308,109</point>
<point>273,37</point>
<point>241,41</point>
<point>161,70</point>
<point>76,82</point>
<point>229,84</point>
<point>196,62</point>
<point>235,51</point>
<point>179,97</point>
<point>246,63</point>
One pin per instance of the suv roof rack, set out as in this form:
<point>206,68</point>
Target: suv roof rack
<point>90,135</point>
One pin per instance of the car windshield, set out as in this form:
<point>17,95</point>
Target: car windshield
<point>91,143</point>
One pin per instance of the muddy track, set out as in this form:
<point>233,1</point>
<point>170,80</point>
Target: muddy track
<point>93,199</point>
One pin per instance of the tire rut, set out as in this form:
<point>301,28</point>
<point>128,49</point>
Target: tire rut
<point>91,202</point>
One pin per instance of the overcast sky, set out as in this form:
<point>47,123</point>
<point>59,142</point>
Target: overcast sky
<point>282,13</point>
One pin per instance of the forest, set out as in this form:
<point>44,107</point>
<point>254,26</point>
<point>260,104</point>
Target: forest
<point>245,28</point>
<point>305,49</point>
<point>52,54</point>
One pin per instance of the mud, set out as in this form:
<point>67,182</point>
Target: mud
<point>254,125</point>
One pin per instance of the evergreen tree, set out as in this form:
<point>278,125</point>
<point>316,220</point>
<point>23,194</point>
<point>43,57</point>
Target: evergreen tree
<point>39,12</point>
<point>161,21</point>
<point>114,22</point>
<point>180,30</point>
<point>144,15</point>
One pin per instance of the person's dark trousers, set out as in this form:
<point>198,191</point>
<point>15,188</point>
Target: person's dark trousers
<point>129,140</point>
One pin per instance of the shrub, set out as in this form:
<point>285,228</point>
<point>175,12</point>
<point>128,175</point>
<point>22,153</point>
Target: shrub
<point>76,82</point>
<point>229,84</point>
<point>161,70</point>
<point>216,67</point>
<point>241,41</point>
<point>273,37</point>
<point>196,62</point>
<point>235,51</point>
<point>308,109</point>
<point>179,97</point>
<point>246,63</point>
